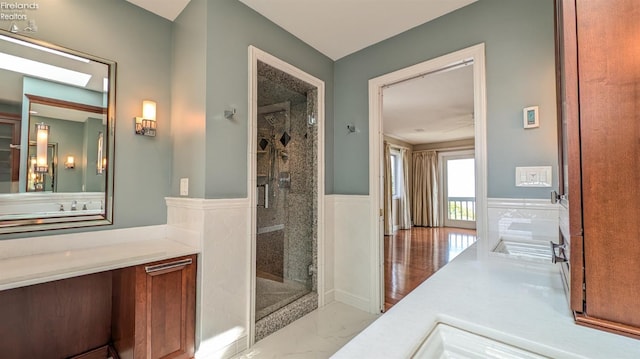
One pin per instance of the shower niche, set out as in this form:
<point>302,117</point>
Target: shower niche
<point>286,200</point>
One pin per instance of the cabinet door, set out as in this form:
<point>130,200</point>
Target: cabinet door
<point>609,78</point>
<point>570,186</point>
<point>165,310</point>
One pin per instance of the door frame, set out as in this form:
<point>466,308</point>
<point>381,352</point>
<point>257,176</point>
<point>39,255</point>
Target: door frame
<point>475,53</point>
<point>442,159</point>
<point>256,55</point>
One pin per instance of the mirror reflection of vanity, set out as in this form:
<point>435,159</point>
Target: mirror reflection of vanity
<point>56,136</point>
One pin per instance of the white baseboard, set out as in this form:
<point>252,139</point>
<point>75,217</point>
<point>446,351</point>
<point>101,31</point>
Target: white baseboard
<point>329,296</point>
<point>352,300</point>
<point>226,352</point>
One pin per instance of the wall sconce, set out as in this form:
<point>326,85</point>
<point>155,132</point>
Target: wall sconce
<point>146,125</point>
<point>101,166</point>
<point>101,161</point>
<point>42,143</point>
<point>70,162</point>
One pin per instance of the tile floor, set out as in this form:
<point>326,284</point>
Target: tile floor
<point>319,334</point>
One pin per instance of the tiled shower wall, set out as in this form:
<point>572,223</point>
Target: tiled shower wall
<point>292,205</point>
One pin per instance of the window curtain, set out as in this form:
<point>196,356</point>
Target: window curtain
<point>388,197</point>
<point>404,210</point>
<point>425,189</point>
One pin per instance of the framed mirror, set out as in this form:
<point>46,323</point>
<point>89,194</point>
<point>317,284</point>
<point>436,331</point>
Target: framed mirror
<point>57,138</point>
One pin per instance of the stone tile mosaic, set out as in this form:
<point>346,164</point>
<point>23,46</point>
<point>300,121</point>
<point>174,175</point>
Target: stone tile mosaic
<point>288,137</point>
<point>286,315</point>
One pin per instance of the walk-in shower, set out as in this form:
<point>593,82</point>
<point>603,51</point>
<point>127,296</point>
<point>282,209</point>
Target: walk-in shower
<point>286,200</point>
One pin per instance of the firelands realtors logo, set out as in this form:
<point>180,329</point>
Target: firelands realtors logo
<point>14,11</point>
<point>18,12</point>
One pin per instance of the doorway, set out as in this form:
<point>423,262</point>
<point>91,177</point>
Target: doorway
<point>474,55</point>
<point>286,147</point>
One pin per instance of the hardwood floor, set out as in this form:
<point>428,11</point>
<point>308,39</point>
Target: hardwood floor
<point>413,255</point>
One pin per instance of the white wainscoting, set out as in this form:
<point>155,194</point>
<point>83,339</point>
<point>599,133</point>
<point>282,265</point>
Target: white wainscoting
<point>329,248</point>
<point>522,219</point>
<point>224,293</point>
<point>352,249</point>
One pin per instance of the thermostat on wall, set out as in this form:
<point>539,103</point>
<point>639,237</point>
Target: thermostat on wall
<point>533,176</point>
<point>530,117</point>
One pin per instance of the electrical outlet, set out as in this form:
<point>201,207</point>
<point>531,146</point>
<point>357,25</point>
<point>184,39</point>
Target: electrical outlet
<point>184,186</point>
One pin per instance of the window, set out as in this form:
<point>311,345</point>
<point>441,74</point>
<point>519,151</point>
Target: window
<point>396,171</point>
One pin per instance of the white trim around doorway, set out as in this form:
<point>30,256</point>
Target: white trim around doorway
<point>256,55</point>
<point>474,53</point>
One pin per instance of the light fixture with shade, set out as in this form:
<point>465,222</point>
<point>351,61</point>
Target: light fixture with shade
<point>101,161</point>
<point>70,162</point>
<point>146,125</point>
<point>42,143</point>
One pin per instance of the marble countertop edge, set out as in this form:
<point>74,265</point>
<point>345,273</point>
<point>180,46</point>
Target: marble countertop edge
<point>29,269</point>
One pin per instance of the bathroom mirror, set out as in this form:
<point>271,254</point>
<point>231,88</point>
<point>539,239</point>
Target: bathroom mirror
<point>56,136</point>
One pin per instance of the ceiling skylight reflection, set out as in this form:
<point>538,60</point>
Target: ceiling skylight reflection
<point>42,48</point>
<point>42,70</point>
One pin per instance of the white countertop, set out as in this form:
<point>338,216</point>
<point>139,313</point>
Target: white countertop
<point>515,302</point>
<point>37,260</point>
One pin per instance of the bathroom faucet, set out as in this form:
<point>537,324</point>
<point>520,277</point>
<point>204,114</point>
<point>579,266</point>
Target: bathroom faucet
<point>61,207</point>
<point>74,205</point>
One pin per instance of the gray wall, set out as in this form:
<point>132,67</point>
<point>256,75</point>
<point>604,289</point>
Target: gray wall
<point>93,181</point>
<point>54,90</point>
<point>231,28</point>
<point>140,43</point>
<point>188,98</point>
<point>69,136</point>
<point>520,72</point>
<point>10,108</point>
<point>519,40</point>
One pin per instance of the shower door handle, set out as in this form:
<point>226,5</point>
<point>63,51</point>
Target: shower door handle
<point>266,195</point>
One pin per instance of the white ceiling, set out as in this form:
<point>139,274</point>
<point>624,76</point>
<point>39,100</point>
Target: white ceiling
<point>434,108</point>
<point>441,105</point>
<point>338,28</point>
<point>169,9</point>
<point>67,114</point>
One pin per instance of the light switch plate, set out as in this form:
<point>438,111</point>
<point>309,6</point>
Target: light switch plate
<point>533,176</point>
<point>184,186</point>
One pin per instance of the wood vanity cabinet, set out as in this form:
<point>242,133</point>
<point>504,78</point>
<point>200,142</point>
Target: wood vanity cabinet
<point>138,312</point>
<point>58,319</point>
<point>153,313</point>
<point>598,52</point>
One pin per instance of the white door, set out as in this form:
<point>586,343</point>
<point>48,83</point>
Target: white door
<point>459,189</point>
